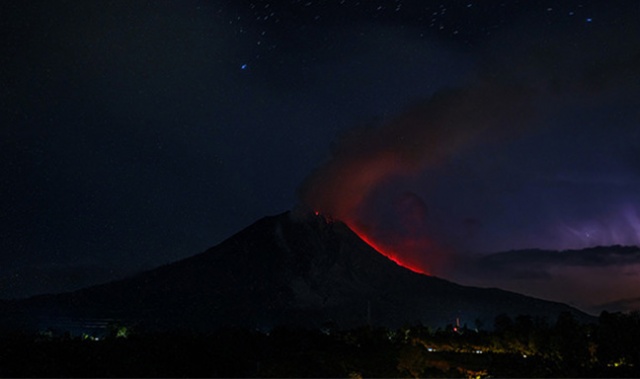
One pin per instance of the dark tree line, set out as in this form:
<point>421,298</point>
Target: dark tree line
<point>521,346</point>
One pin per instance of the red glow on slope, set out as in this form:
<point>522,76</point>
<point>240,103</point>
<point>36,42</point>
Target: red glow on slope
<point>389,254</point>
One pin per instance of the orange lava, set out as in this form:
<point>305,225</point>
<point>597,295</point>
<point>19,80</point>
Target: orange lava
<point>390,255</point>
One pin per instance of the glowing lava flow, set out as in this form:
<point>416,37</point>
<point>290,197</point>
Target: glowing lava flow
<point>391,256</point>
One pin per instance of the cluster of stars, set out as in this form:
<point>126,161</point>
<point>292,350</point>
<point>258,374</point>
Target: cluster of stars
<point>573,13</point>
<point>265,23</point>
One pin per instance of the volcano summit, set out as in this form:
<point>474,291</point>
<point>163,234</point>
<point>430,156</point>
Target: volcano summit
<point>282,270</point>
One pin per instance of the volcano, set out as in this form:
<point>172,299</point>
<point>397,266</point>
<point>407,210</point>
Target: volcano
<point>280,271</point>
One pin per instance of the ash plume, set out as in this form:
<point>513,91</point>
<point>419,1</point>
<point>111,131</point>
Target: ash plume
<point>424,136</point>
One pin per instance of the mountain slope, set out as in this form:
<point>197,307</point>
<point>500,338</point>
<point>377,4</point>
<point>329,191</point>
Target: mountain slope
<point>282,271</point>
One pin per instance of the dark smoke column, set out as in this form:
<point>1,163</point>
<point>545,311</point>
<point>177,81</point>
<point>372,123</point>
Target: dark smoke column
<point>424,136</point>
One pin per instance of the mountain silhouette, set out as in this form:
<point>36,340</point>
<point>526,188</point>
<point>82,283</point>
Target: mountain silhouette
<point>281,270</point>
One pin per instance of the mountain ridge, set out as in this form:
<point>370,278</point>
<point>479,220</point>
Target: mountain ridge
<point>283,270</point>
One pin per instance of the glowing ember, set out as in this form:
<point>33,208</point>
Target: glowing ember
<point>390,255</point>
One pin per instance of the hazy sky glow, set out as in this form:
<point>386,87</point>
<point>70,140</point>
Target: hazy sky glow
<point>138,133</point>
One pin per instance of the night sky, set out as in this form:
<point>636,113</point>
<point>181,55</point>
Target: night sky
<point>137,133</point>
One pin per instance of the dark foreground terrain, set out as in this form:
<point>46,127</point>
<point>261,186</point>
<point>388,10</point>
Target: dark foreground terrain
<point>520,347</point>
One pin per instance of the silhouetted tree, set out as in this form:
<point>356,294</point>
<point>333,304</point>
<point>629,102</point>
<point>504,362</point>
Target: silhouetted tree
<point>570,341</point>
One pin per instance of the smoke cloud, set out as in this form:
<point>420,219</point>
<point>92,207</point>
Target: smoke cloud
<point>426,135</point>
